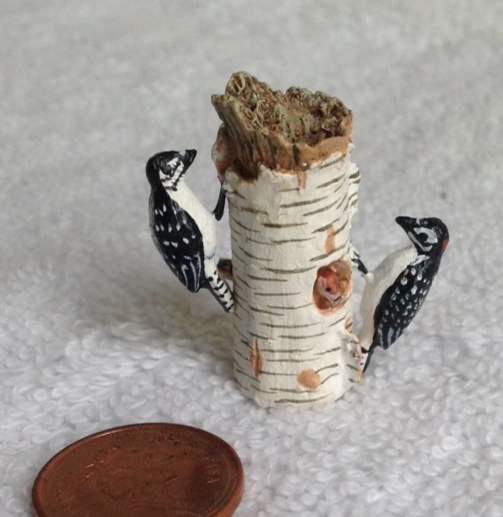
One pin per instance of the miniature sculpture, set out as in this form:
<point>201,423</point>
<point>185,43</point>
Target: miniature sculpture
<point>183,231</point>
<point>283,161</point>
<point>396,289</point>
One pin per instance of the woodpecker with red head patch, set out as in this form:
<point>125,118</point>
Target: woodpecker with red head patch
<point>183,231</point>
<point>395,291</point>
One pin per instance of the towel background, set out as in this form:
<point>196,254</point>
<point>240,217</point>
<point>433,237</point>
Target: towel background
<point>96,332</point>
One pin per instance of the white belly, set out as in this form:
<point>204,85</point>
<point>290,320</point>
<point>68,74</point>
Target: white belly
<point>203,218</point>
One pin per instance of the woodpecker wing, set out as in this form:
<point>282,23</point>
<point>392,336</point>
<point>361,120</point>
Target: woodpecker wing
<point>402,301</point>
<point>178,239</point>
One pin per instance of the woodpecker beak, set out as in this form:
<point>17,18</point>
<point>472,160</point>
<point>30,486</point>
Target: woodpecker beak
<point>407,223</point>
<point>189,157</point>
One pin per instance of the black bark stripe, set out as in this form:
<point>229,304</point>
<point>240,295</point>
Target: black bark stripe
<point>286,351</point>
<point>329,164</point>
<point>242,372</point>
<point>272,325</point>
<point>290,390</point>
<point>263,311</point>
<point>237,194</point>
<point>326,227</point>
<point>241,225</point>
<point>333,181</point>
<point>336,349</point>
<point>254,387</point>
<point>285,361</point>
<point>303,337</point>
<point>340,320</point>
<point>335,365</point>
<point>308,401</point>
<point>287,241</point>
<point>275,294</point>
<point>258,336</point>
<point>265,279</point>
<point>237,302</point>
<point>320,210</point>
<point>337,230</point>
<point>303,203</point>
<point>260,242</point>
<point>252,210</point>
<point>355,194</point>
<point>288,225</point>
<point>240,333</point>
<point>246,344</point>
<point>275,374</point>
<point>328,207</point>
<point>237,352</point>
<point>289,271</point>
<point>235,255</point>
<point>293,189</point>
<point>291,308</point>
<point>335,374</point>
<point>355,174</point>
<point>326,255</point>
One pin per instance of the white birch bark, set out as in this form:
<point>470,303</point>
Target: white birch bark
<point>287,351</point>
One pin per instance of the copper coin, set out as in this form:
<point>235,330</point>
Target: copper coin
<point>145,470</point>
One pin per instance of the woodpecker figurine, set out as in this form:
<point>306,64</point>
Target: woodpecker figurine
<point>183,231</point>
<point>396,289</point>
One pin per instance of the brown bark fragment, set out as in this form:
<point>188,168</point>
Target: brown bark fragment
<point>301,179</point>
<point>286,132</point>
<point>309,378</point>
<point>256,359</point>
<point>223,157</point>
<point>330,242</point>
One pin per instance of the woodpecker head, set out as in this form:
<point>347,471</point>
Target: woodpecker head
<point>168,168</point>
<point>429,235</point>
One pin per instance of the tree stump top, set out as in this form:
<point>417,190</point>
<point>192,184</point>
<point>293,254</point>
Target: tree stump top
<point>286,132</point>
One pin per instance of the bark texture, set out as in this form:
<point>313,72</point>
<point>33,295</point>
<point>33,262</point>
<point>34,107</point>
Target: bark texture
<point>292,190</point>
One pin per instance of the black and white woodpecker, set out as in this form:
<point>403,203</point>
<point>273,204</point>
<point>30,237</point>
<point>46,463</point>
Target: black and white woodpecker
<point>396,289</point>
<point>182,229</point>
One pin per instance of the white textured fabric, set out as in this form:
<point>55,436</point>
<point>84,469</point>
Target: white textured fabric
<point>96,332</point>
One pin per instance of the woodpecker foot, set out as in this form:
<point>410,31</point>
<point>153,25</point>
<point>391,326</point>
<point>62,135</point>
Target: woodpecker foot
<point>224,267</point>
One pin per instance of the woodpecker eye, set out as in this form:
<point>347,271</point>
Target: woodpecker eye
<point>426,235</point>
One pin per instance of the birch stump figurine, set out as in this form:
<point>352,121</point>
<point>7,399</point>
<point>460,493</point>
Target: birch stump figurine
<point>284,161</point>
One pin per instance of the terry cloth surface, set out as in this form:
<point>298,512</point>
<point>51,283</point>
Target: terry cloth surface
<point>95,330</point>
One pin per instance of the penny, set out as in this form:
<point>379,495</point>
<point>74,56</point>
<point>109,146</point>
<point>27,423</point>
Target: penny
<point>144,470</point>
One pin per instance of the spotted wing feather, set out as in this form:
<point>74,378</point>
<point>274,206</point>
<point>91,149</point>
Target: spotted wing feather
<point>178,240</point>
<point>401,302</point>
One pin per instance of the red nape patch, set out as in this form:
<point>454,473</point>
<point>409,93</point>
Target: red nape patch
<point>444,244</point>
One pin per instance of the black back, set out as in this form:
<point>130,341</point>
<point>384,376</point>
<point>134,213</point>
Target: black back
<point>178,239</point>
<point>402,300</point>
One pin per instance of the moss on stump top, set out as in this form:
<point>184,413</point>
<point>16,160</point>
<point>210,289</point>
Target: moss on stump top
<point>287,131</point>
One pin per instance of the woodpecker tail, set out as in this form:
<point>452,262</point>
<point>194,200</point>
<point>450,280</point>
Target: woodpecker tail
<point>218,287</point>
<point>224,267</point>
<point>218,212</point>
<point>365,358</point>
